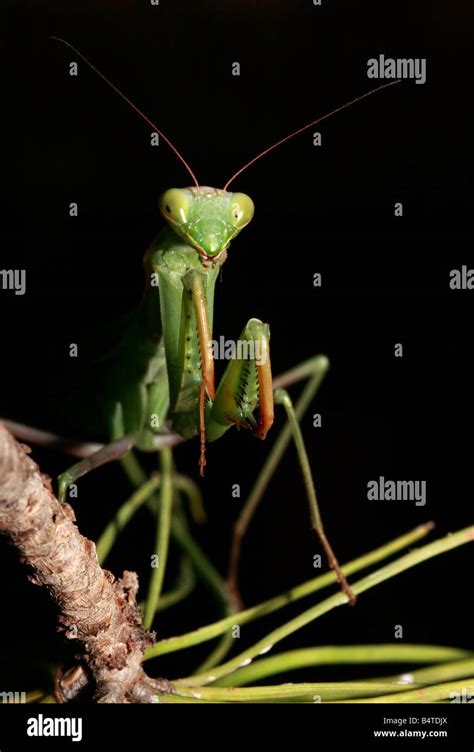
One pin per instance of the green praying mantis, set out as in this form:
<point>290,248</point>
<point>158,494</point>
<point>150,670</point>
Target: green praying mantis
<point>159,387</point>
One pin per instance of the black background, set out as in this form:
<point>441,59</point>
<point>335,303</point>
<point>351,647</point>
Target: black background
<point>327,210</point>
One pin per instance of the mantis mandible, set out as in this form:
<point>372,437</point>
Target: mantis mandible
<point>161,387</point>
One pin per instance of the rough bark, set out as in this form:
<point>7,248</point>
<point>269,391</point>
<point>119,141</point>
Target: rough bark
<point>96,610</point>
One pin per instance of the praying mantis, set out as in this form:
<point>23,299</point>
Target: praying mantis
<point>159,385</point>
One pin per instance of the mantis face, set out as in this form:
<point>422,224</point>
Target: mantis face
<point>206,218</point>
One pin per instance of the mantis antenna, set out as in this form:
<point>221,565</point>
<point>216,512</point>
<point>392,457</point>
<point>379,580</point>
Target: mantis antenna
<point>173,147</point>
<point>129,102</point>
<point>308,125</point>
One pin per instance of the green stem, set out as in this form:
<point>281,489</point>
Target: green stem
<point>454,691</point>
<point>394,690</point>
<point>218,654</point>
<point>436,674</point>
<point>124,515</point>
<point>169,699</point>
<point>193,493</point>
<point>305,692</point>
<point>203,566</point>
<point>133,469</point>
<point>179,529</point>
<point>338,599</point>
<point>162,537</point>
<point>343,654</point>
<point>197,636</point>
<point>184,586</point>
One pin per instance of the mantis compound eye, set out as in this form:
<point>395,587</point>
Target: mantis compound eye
<point>241,210</point>
<point>174,205</point>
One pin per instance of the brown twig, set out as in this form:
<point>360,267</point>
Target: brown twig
<point>94,608</point>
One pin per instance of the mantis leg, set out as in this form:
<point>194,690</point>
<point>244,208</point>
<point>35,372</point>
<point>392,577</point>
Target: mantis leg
<point>109,452</point>
<point>283,398</point>
<point>115,450</point>
<point>314,371</point>
<point>74,447</point>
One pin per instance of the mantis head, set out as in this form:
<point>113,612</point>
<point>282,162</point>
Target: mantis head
<point>206,218</point>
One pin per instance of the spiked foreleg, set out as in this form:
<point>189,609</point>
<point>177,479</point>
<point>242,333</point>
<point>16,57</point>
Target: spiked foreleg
<point>246,386</point>
<point>194,286</point>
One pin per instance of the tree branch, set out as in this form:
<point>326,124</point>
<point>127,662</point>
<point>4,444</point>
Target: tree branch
<point>94,608</point>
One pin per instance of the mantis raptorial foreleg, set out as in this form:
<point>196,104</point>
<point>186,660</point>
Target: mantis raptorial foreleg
<point>314,370</point>
<point>246,386</point>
